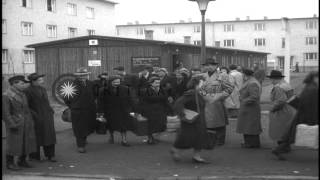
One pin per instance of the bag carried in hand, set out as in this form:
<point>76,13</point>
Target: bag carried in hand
<point>307,136</point>
<point>173,123</point>
<point>191,116</point>
<point>66,115</point>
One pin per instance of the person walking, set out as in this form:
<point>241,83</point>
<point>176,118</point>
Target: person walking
<point>43,117</point>
<point>249,115</point>
<point>307,113</point>
<point>214,92</point>
<point>20,138</point>
<point>80,100</point>
<point>115,103</point>
<point>281,113</point>
<point>192,134</point>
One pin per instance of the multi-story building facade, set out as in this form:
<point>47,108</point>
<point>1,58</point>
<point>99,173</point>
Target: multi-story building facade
<point>266,35</point>
<point>33,21</point>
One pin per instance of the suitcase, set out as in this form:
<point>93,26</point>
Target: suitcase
<point>307,136</point>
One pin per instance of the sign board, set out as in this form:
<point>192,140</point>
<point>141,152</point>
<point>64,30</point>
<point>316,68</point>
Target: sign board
<point>93,42</point>
<point>138,63</point>
<point>94,62</point>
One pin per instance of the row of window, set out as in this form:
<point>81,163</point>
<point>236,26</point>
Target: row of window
<point>28,56</point>
<point>27,30</point>
<point>51,7</point>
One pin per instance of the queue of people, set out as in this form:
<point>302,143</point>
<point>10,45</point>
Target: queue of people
<point>213,94</point>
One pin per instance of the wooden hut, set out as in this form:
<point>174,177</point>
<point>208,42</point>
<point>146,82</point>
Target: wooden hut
<point>103,53</point>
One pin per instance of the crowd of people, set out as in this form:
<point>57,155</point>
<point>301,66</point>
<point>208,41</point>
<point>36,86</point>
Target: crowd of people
<point>211,92</point>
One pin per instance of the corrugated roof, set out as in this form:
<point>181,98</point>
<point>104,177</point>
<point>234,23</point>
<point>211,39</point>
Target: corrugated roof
<point>57,42</point>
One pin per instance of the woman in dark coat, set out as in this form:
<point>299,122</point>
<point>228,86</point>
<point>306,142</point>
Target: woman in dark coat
<point>180,86</point>
<point>42,116</point>
<point>154,101</point>
<point>191,135</point>
<point>116,104</point>
<point>83,108</point>
<point>307,112</point>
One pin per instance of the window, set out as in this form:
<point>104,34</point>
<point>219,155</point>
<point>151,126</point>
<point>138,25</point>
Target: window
<point>197,42</point>
<point>72,9</point>
<point>311,25</point>
<point>51,31</point>
<point>26,3</point>
<point>228,43</point>
<point>28,56</point>
<point>4,55</point>
<point>311,56</point>
<point>259,26</point>
<point>90,13</point>
<point>169,30</point>
<point>187,39</point>
<point>91,32</point>
<point>140,31</point>
<point>260,42</point>
<point>283,42</point>
<point>196,29</point>
<point>4,26</point>
<point>51,5</point>
<point>228,27</point>
<point>311,40</point>
<point>26,28</point>
<point>72,32</point>
<point>217,43</point>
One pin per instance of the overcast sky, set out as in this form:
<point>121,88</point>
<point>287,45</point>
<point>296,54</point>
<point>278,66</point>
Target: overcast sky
<point>163,11</point>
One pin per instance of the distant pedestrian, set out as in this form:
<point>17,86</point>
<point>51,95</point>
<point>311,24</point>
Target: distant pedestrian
<point>297,67</point>
<point>102,81</point>
<point>249,123</point>
<point>259,74</point>
<point>43,116</point>
<point>80,100</point>
<point>144,77</point>
<point>130,80</point>
<point>237,81</point>
<point>239,68</point>
<point>191,134</point>
<point>281,113</point>
<point>21,138</point>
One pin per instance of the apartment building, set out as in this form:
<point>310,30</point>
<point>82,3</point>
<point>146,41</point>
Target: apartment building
<point>266,35</point>
<point>33,21</point>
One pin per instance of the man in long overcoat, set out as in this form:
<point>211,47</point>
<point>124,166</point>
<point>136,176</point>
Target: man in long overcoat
<point>80,100</point>
<point>249,113</point>
<point>214,92</point>
<point>20,139</point>
<point>43,117</point>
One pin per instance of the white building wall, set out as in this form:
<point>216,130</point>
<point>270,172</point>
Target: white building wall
<point>12,11</point>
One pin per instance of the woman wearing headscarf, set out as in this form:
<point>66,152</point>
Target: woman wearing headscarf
<point>191,134</point>
<point>115,102</point>
<point>249,123</point>
<point>307,112</point>
<point>153,106</point>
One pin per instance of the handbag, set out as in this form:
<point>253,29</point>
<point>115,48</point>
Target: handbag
<point>66,115</point>
<point>191,116</point>
<point>307,136</point>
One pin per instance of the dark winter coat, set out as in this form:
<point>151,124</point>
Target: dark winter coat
<point>191,135</point>
<point>42,115</point>
<point>83,109</point>
<point>21,138</point>
<point>116,104</point>
<point>153,106</point>
<point>250,111</point>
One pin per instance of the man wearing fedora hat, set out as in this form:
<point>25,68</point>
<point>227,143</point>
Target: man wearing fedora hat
<point>215,91</point>
<point>83,108</point>
<point>281,114</point>
<point>43,117</point>
<point>249,123</point>
<point>20,138</point>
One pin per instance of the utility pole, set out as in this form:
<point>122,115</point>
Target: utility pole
<point>286,67</point>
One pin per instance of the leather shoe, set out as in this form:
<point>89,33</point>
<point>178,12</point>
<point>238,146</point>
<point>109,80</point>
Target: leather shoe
<point>278,155</point>
<point>81,150</point>
<point>25,164</point>
<point>13,167</point>
<point>200,160</point>
<point>125,144</point>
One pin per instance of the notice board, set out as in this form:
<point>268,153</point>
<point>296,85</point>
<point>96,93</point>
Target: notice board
<point>138,63</point>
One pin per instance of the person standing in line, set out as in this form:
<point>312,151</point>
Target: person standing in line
<point>115,102</point>
<point>21,138</point>
<point>83,108</point>
<point>249,115</point>
<point>191,134</point>
<point>259,74</point>
<point>214,92</point>
<point>43,117</point>
<point>307,112</point>
<point>101,82</point>
<point>281,113</point>
<point>237,83</point>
